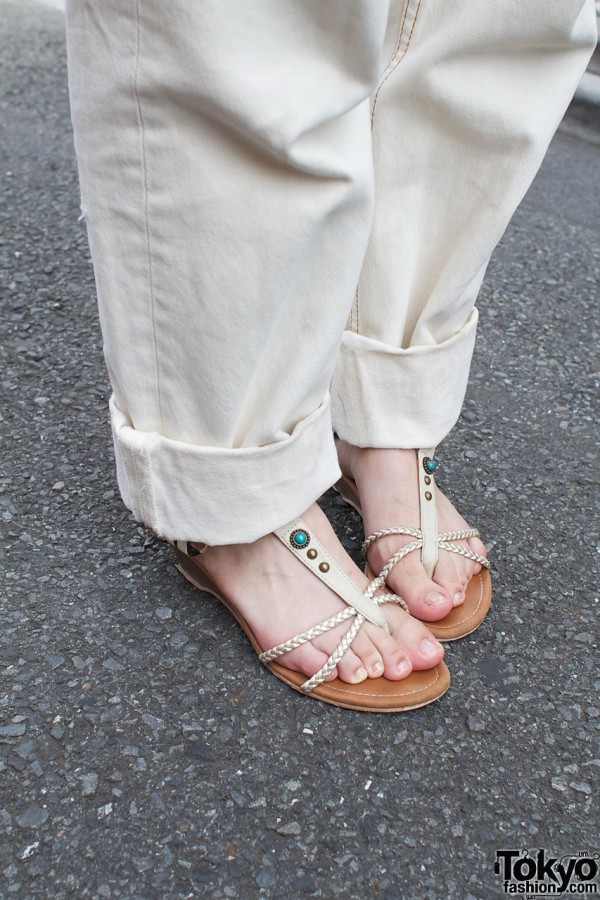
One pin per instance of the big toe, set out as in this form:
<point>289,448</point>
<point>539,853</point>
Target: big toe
<point>421,647</point>
<point>425,599</point>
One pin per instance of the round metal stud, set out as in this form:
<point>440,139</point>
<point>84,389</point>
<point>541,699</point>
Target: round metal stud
<point>427,479</point>
<point>324,567</point>
<point>428,495</point>
<point>299,539</point>
<point>312,553</point>
<point>429,464</point>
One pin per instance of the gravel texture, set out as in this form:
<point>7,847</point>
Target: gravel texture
<point>144,752</point>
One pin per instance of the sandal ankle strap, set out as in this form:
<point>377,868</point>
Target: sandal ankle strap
<point>189,548</point>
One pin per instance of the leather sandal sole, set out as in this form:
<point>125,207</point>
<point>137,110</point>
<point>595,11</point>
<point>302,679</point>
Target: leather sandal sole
<point>461,620</point>
<point>372,695</point>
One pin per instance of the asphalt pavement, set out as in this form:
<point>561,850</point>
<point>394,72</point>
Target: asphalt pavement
<point>144,751</point>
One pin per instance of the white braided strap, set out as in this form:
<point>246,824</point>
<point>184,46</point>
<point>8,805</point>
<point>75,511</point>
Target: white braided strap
<point>458,535</point>
<point>304,636</point>
<point>332,661</point>
<point>326,670</point>
<point>464,551</point>
<point>444,542</point>
<point>398,555</point>
<point>378,584</point>
<point>386,532</point>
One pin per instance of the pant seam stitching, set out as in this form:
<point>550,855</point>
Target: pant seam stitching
<point>398,54</point>
<point>146,213</point>
<point>395,60</point>
<point>390,66</point>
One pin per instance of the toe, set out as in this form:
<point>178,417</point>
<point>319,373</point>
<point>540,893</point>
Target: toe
<point>451,575</point>
<point>306,659</point>
<point>427,653</point>
<point>423,650</point>
<point>311,657</point>
<point>367,652</point>
<point>425,599</point>
<point>351,668</point>
<point>477,546</point>
<point>397,665</point>
<point>396,662</point>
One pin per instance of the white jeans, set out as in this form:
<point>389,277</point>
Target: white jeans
<point>244,166</point>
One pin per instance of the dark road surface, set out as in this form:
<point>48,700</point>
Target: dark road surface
<point>144,751</point>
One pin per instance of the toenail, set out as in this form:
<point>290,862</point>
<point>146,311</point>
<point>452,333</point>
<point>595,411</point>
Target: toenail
<point>435,599</point>
<point>458,596</point>
<point>402,667</point>
<point>429,647</point>
<point>377,668</point>
<point>361,674</point>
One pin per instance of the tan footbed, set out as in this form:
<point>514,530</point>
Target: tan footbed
<point>461,620</point>
<point>372,695</point>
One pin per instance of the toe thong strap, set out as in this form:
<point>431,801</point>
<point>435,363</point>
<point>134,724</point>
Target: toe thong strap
<point>427,506</point>
<point>362,606</point>
<point>426,537</point>
<point>297,537</point>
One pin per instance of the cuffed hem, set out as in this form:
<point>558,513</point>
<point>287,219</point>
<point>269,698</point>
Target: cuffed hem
<point>385,397</point>
<point>217,495</point>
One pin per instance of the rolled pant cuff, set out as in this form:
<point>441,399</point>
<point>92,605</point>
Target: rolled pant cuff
<point>385,397</point>
<point>217,495</point>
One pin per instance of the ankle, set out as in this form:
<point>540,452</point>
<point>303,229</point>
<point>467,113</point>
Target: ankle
<point>359,462</point>
<point>354,459</point>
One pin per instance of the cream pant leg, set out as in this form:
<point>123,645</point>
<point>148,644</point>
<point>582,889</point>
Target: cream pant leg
<point>226,166</point>
<point>469,97</point>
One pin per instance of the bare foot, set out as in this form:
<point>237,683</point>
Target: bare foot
<point>387,482</point>
<point>279,597</point>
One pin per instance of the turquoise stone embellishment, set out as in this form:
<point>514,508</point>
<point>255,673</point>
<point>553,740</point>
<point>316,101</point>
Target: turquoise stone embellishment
<point>299,539</point>
<point>429,465</point>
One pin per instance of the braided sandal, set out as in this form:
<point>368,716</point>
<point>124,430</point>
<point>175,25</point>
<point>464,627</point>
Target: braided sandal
<point>463,619</point>
<point>372,695</point>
